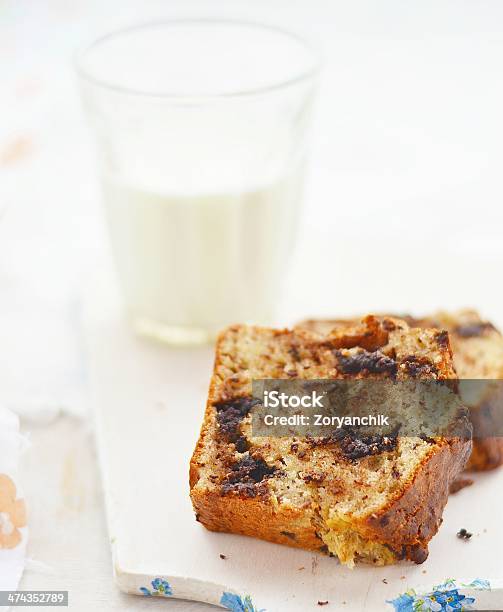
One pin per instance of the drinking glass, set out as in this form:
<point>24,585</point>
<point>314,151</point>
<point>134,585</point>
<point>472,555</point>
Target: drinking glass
<point>201,130</point>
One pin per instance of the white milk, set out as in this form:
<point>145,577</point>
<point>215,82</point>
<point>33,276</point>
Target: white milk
<point>201,128</point>
<point>200,262</point>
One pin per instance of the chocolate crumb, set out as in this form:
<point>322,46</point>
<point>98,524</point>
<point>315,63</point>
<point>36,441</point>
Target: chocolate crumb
<point>289,535</point>
<point>416,367</point>
<point>463,534</point>
<point>323,603</point>
<point>246,476</point>
<point>388,325</point>
<point>315,477</point>
<point>242,444</point>
<point>427,439</point>
<point>230,413</point>
<point>355,448</point>
<point>294,353</point>
<point>222,556</point>
<point>374,363</point>
<point>442,339</point>
<point>385,581</point>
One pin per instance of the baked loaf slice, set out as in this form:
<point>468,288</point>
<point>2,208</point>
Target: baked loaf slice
<point>379,501</point>
<point>478,354</point>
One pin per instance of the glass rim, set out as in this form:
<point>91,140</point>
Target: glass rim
<point>304,75</point>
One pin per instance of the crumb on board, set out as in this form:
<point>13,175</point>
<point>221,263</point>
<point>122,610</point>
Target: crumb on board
<point>402,577</point>
<point>323,603</point>
<point>463,534</point>
<point>301,568</point>
<point>385,581</point>
<point>222,556</point>
<point>423,572</point>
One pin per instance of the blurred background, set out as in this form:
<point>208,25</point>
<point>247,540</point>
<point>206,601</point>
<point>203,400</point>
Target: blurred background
<point>404,186</point>
<point>403,203</point>
<point>403,200</point>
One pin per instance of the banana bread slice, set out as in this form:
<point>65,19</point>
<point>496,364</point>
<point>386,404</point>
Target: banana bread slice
<point>379,505</point>
<point>478,354</point>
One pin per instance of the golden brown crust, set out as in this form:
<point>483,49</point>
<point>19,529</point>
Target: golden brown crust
<point>256,517</point>
<point>398,529</point>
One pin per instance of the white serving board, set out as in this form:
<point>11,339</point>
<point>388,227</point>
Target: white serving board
<point>149,402</point>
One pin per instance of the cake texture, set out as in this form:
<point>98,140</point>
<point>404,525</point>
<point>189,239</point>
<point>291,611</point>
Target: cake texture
<point>378,501</point>
<point>478,354</point>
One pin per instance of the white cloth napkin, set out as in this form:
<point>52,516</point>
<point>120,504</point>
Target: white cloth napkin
<point>13,530</point>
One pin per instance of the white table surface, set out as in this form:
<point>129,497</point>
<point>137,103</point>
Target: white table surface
<point>404,199</point>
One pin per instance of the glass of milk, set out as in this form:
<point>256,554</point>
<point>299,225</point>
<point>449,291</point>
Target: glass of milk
<point>201,128</point>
